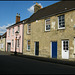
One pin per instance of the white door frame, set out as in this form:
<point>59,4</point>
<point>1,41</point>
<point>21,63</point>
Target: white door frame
<point>65,50</point>
<point>34,47</point>
<point>51,50</point>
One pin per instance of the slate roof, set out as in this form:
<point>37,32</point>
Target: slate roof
<point>21,22</point>
<point>57,8</point>
<point>4,35</point>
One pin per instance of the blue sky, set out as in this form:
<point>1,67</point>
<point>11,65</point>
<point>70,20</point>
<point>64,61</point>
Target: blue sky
<point>9,9</point>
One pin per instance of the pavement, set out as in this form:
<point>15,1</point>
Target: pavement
<point>51,60</point>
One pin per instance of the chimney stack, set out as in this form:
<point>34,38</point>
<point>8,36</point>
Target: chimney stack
<point>17,18</point>
<point>37,7</point>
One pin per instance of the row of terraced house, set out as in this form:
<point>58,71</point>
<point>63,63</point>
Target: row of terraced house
<point>49,32</point>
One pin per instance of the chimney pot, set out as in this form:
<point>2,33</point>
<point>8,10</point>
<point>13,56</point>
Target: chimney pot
<point>17,14</point>
<point>17,18</point>
<point>37,7</point>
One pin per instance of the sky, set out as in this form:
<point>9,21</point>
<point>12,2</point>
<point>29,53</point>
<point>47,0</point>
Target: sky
<point>9,9</point>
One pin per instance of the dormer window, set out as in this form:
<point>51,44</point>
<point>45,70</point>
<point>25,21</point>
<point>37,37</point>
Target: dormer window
<point>47,25</point>
<point>61,22</point>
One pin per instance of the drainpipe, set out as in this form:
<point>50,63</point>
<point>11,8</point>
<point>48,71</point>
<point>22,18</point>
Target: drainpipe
<point>22,37</point>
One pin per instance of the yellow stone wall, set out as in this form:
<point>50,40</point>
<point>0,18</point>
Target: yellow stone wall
<point>45,38</point>
<point>2,42</point>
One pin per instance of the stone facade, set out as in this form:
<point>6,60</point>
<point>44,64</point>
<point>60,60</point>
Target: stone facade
<point>3,44</point>
<point>45,38</point>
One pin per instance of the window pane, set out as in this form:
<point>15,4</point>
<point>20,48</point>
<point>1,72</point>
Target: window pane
<point>29,28</point>
<point>61,21</point>
<point>47,27</point>
<point>59,17</point>
<point>66,48</point>
<point>47,24</point>
<point>28,45</point>
<point>62,16</point>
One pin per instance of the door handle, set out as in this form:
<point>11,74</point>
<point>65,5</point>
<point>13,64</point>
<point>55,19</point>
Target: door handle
<point>65,51</point>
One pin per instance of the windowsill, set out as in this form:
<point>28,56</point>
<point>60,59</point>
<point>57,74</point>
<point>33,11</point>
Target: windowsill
<point>28,50</point>
<point>47,30</point>
<point>61,28</point>
<point>28,33</point>
<point>17,47</point>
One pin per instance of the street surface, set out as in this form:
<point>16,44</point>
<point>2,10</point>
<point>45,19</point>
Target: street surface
<point>19,65</point>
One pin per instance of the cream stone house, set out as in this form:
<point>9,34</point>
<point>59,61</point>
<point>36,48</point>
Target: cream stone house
<point>50,31</point>
<point>3,42</point>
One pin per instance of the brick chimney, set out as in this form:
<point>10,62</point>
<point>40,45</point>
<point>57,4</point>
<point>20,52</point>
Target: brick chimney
<point>17,17</point>
<point>37,7</point>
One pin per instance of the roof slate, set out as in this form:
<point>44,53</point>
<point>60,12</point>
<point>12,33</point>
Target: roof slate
<point>21,22</point>
<point>51,10</point>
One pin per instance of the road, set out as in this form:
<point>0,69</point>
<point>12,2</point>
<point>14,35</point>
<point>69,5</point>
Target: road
<point>19,65</point>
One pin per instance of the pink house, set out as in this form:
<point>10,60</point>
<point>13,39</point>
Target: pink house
<point>12,43</point>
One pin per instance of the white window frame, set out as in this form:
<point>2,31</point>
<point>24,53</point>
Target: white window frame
<point>17,43</point>
<point>28,29</point>
<point>9,32</point>
<point>63,46</point>
<point>45,25</point>
<point>12,43</point>
<point>74,45</point>
<point>13,31</point>
<point>58,23</point>
<point>2,45</point>
<point>27,45</point>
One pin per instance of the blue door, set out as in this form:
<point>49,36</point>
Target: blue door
<point>54,49</point>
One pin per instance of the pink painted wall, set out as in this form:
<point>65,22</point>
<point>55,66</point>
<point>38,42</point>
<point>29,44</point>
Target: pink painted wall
<point>12,37</point>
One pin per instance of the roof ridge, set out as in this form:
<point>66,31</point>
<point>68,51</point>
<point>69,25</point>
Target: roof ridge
<point>50,5</point>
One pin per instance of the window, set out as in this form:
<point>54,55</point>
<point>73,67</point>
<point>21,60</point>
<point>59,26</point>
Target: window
<point>13,31</point>
<point>47,25</point>
<point>65,45</point>
<point>61,21</point>
<point>9,32</point>
<point>12,43</point>
<point>28,45</point>
<point>19,28</point>
<point>2,45</point>
<point>17,42</point>
<point>29,28</point>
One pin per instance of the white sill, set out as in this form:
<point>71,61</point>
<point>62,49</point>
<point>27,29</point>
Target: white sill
<point>17,47</point>
<point>47,30</point>
<point>28,33</point>
<point>62,28</point>
<point>28,50</point>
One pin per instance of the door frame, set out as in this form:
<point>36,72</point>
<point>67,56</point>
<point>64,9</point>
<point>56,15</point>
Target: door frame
<point>62,47</point>
<point>51,48</point>
<point>35,47</point>
<point>7,47</point>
